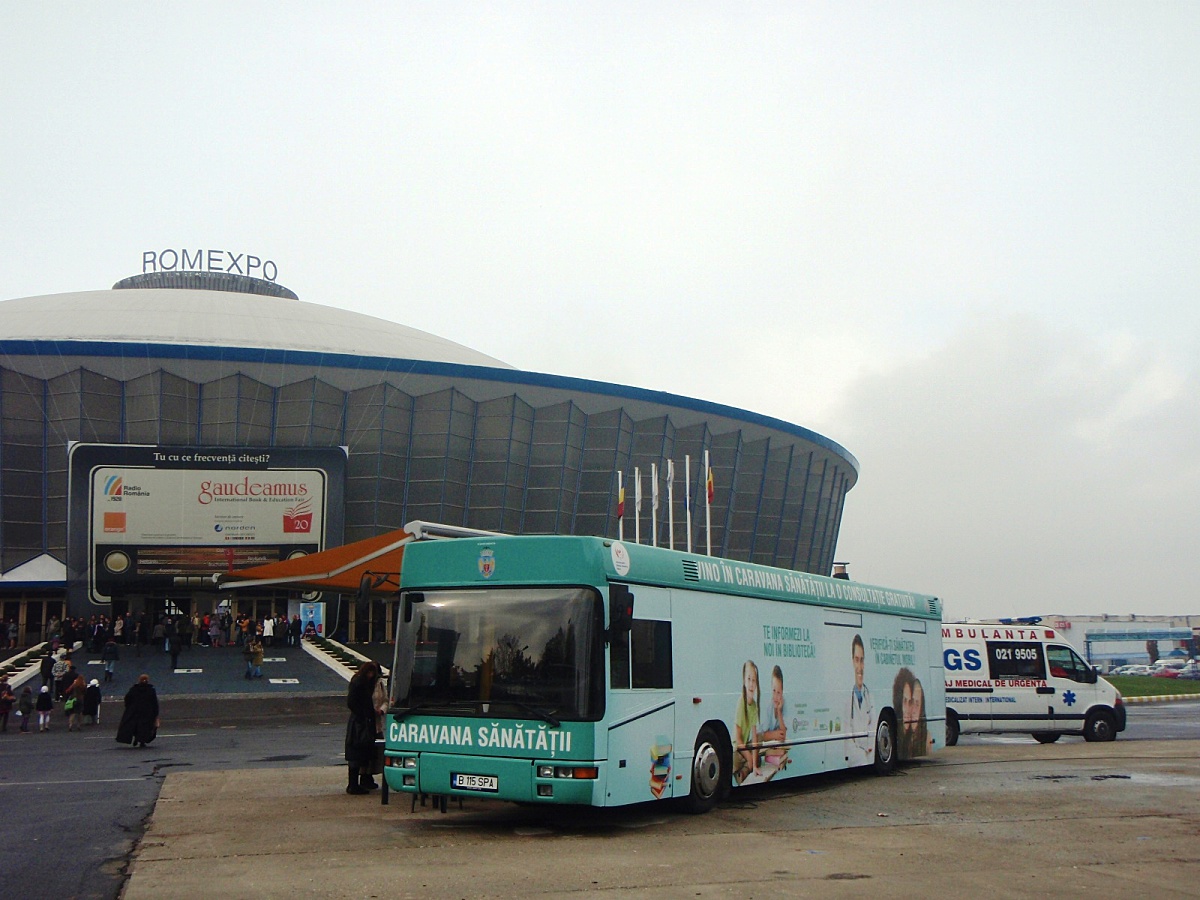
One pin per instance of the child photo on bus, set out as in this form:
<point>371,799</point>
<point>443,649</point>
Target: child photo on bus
<point>860,717</point>
<point>774,727</point>
<point>745,725</point>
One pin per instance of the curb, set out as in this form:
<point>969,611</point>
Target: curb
<point>1161,698</point>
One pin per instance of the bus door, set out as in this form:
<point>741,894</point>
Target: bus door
<point>641,704</point>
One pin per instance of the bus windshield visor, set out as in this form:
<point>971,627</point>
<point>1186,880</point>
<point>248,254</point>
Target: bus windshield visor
<point>505,651</point>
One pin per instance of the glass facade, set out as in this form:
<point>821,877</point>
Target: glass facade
<point>503,464</point>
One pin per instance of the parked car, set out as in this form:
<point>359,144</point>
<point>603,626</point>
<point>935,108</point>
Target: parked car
<point>1133,669</point>
<point>1167,672</point>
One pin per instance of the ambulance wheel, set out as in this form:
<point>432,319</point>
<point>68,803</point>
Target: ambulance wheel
<point>1100,726</point>
<point>710,771</point>
<point>951,728</point>
<point>885,745</point>
<point>1046,737</point>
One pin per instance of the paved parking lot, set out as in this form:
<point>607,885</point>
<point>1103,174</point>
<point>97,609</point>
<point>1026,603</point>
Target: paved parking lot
<point>997,820</point>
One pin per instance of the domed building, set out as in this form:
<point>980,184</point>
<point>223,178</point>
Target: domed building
<point>111,400</point>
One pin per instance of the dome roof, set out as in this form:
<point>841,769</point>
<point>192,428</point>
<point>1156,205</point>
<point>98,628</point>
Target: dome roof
<point>223,319</point>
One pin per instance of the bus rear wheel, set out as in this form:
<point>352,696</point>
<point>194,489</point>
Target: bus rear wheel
<point>952,729</point>
<point>885,745</point>
<point>1046,737</point>
<point>710,771</point>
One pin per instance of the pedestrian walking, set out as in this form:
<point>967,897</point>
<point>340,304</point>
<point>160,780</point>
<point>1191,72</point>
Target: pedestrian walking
<point>44,705</point>
<point>256,657</point>
<point>25,708</point>
<point>73,698</point>
<point>174,645</point>
<point>91,703</point>
<point>58,672</point>
<point>47,668</point>
<point>140,721</point>
<point>7,701</point>
<point>110,655</point>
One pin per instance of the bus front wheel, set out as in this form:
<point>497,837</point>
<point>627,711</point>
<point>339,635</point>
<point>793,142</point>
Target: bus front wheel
<point>885,745</point>
<point>710,771</point>
<point>952,728</point>
<point>1046,737</point>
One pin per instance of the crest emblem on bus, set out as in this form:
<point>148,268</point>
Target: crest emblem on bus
<point>620,558</point>
<point>487,562</point>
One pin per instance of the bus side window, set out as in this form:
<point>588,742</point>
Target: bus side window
<point>619,661</point>
<point>651,654</point>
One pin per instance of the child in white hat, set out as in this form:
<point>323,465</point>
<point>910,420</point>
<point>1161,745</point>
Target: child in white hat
<point>44,706</point>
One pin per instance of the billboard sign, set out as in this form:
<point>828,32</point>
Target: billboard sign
<point>147,518</point>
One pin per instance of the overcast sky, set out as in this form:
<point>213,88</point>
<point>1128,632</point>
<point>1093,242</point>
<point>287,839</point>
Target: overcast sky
<point>960,239</point>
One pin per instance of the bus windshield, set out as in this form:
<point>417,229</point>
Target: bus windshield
<point>501,651</point>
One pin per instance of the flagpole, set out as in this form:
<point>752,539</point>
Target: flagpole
<point>637,505</point>
<point>708,498</point>
<point>653,504</point>
<point>687,497</point>
<point>671,503</point>
<point>620,506</point>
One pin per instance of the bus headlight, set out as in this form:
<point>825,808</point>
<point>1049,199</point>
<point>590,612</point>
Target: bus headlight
<point>591,772</point>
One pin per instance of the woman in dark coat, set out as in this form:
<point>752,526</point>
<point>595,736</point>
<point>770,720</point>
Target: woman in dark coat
<point>360,729</point>
<point>139,722</point>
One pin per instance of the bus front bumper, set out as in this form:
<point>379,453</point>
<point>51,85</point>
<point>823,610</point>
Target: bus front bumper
<point>495,777</point>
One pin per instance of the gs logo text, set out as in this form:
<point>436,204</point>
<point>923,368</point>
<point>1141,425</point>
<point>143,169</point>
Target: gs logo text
<point>968,659</point>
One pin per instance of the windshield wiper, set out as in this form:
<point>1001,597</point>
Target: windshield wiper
<point>547,717</point>
<point>399,712</point>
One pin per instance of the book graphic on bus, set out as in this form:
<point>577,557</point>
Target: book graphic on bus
<point>660,767</point>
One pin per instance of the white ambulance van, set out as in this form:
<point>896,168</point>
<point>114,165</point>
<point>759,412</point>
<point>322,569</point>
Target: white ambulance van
<point>1004,678</point>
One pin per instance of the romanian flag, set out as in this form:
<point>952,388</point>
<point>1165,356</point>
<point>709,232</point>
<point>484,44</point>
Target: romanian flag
<point>709,486</point>
<point>621,503</point>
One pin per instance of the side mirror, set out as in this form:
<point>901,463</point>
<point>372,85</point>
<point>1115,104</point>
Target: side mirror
<point>620,610</point>
<point>411,598</point>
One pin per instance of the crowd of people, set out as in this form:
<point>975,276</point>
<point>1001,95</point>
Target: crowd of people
<point>205,630</point>
<point>63,688</point>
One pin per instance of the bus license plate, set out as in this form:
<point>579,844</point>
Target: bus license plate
<point>474,782</point>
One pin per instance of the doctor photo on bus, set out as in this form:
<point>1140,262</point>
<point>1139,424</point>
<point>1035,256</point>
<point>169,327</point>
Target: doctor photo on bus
<point>860,718</point>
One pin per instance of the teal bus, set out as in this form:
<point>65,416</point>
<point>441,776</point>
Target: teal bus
<point>584,670</point>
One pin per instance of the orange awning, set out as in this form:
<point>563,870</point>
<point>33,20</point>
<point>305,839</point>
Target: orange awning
<point>338,569</point>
